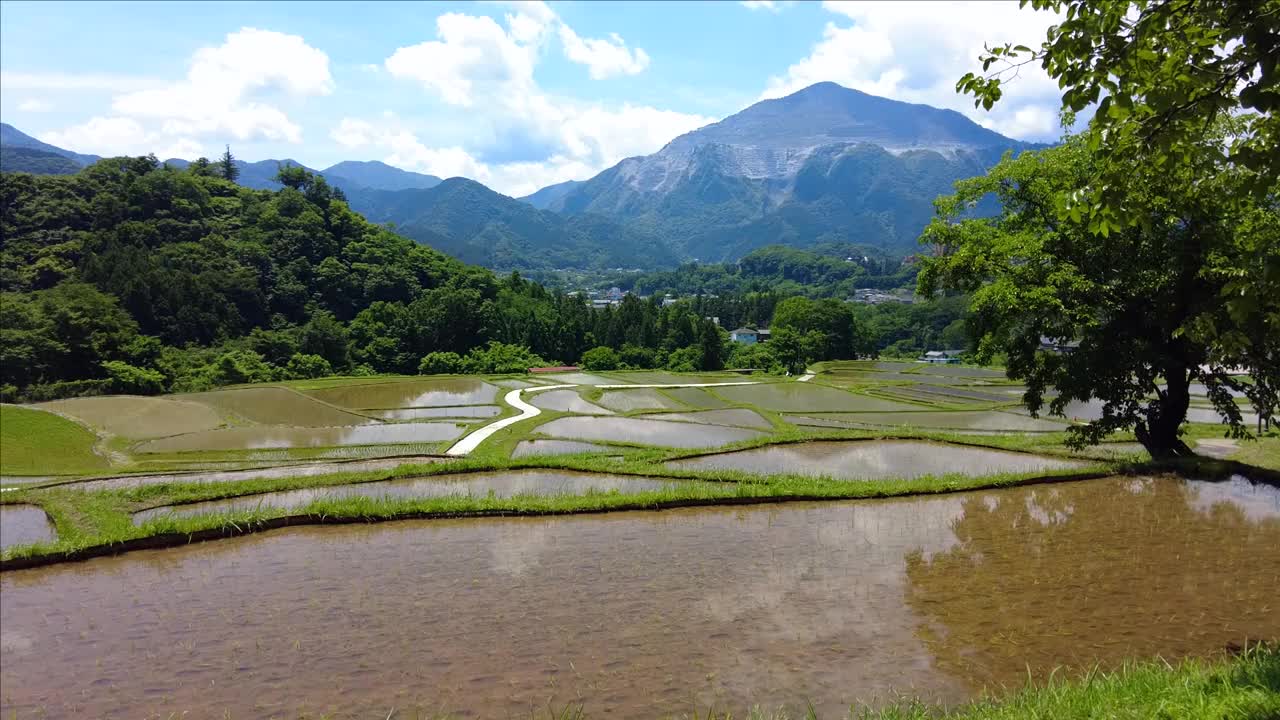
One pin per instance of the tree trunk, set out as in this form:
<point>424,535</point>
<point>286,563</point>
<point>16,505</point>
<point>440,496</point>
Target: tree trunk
<point>1159,433</point>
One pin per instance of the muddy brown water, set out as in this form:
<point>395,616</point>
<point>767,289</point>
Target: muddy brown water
<point>22,524</point>
<point>647,614</point>
<point>874,459</point>
<point>262,438</point>
<point>507,483</point>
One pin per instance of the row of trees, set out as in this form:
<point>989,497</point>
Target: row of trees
<point>135,277</point>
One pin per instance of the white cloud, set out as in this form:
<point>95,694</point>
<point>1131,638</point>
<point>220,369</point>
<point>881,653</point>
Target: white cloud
<point>769,5</point>
<point>474,54</point>
<point>603,58</point>
<point>214,97</point>
<point>35,105</point>
<point>477,63</point>
<point>222,96</point>
<point>586,138</point>
<point>884,52</point>
<point>121,136</point>
<point>70,81</point>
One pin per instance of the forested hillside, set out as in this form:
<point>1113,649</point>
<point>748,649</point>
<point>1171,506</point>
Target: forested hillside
<point>828,270</point>
<point>135,277</point>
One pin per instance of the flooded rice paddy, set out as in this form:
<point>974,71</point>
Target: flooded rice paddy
<point>650,614</point>
<point>137,418</point>
<point>791,397</point>
<point>507,483</point>
<point>277,406</point>
<point>222,476</point>
<point>527,448</point>
<point>874,460</point>
<point>638,399</point>
<point>645,432</point>
<point>466,411</point>
<point>566,401</point>
<point>258,438</point>
<point>983,421</point>
<point>735,416</point>
<point>409,393</point>
<point>697,397</point>
<point>22,524</point>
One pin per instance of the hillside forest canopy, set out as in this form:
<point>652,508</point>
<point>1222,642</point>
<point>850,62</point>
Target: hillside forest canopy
<point>131,276</point>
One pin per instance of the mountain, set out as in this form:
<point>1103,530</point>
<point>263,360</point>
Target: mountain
<point>825,164</point>
<point>550,194</point>
<point>378,176</point>
<point>13,137</point>
<point>477,225</point>
<point>15,158</point>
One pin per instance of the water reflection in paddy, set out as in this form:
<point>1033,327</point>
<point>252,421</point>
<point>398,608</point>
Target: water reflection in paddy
<point>874,459</point>
<point>501,484</point>
<point>286,471</point>
<point>409,393</point>
<point>645,432</point>
<point>24,524</point>
<point>649,614</point>
<point>259,438</point>
<point>525,448</point>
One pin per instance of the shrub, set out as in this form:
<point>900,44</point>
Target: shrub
<point>440,363</point>
<point>686,359</point>
<point>134,380</point>
<point>498,357</point>
<point>303,366</point>
<point>600,358</point>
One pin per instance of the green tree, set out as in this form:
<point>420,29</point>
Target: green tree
<point>601,358</point>
<point>227,167</point>
<point>685,359</point>
<point>498,357</point>
<point>302,367</point>
<point>323,335</point>
<point>711,343</point>
<point>440,363</point>
<point>1162,72</point>
<point>126,378</point>
<point>1150,303</point>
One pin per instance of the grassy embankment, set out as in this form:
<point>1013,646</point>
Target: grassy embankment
<point>1240,688</point>
<point>33,442</point>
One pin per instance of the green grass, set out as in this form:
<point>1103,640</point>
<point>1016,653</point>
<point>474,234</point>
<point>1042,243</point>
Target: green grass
<point>1240,688</point>
<point>34,442</point>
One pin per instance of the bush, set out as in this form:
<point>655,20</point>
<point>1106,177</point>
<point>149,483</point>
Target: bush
<point>686,359</point>
<point>636,357</point>
<point>126,378</point>
<point>440,363</point>
<point>240,366</point>
<point>500,357</point>
<point>600,358</point>
<point>303,367</point>
<point>756,356</point>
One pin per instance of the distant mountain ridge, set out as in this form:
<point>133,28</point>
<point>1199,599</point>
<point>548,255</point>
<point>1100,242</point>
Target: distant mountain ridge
<point>824,164</point>
<point>11,136</point>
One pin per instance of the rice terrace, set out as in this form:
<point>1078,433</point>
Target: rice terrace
<point>756,360</point>
<point>902,521</point>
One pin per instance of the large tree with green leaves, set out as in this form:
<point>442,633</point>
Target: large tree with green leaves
<point>1152,303</point>
<point>1160,73</point>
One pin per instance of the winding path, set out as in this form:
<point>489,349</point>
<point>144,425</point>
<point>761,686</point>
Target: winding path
<point>470,442</point>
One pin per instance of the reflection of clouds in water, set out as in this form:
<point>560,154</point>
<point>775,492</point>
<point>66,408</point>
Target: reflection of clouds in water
<point>1257,502</point>
<point>517,548</point>
<point>1042,513</point>
<point>858,553</point>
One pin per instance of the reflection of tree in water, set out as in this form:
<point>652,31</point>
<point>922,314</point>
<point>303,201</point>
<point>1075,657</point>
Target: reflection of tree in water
<point>1094,573</point>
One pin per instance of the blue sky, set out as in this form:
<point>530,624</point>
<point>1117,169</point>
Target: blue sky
<point>517,95</point>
